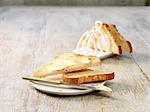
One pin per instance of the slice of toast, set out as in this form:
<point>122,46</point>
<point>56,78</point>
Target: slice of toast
<point>120,40</point>
<point>86,76</point>
<point>116,39</point>
<point>113,42</point>
<point>66,62</point>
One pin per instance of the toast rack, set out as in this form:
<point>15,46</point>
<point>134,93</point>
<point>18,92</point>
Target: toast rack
<point>90,37</point>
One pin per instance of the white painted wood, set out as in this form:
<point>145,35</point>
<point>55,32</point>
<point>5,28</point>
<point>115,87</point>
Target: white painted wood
<point>76,2</point>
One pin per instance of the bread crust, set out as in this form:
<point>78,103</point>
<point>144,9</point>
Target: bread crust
<point>119,50</point>
<point>86,78</point>
<point>130,46</point>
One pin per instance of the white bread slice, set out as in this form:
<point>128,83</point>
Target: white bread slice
<point>120,40</point>
<point>114,47</point>
<point>86,76</point>
<point>115,41</point>
<point>66,62</point>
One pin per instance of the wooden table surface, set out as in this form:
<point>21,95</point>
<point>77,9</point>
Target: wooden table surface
<point>30,36</point>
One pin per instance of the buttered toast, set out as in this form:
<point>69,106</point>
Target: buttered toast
<point>66,62</point>
<point>86,76</point>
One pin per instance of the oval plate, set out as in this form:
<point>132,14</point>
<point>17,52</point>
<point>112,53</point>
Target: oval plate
<point>59,91</point>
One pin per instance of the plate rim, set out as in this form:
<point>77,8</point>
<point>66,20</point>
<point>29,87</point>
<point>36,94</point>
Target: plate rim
<point>35,85</point>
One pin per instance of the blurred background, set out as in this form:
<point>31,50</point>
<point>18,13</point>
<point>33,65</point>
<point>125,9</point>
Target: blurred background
<point>77,2</point>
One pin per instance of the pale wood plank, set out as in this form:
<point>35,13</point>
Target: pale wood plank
<point>19,35</point>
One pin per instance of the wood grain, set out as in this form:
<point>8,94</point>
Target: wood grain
<point>30,36</point>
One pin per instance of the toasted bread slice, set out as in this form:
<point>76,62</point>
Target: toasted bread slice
<point>113,42</point>
<point>86,76</point>
<point>66,62</point>
<point>119,39</point>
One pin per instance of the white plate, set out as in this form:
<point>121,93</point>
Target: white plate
<point>59,91</point>
<point>56,90</point>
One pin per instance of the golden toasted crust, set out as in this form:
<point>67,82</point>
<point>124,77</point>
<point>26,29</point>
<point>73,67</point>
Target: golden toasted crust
<point>66,62</point>
<point>130,46</point>
<point>86,76</point>
<point>119,50</point>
